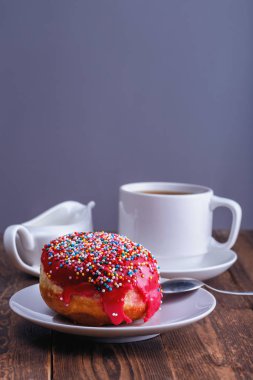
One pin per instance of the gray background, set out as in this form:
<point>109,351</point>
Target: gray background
<point>95,94</point>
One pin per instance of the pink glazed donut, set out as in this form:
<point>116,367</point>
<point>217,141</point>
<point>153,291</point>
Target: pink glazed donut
<point>99,278</point>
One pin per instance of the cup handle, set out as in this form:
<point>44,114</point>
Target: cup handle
<point>236,211</point>
<point>11,247</point>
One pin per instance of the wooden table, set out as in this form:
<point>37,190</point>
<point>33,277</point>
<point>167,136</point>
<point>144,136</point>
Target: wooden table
<point>218,347</point>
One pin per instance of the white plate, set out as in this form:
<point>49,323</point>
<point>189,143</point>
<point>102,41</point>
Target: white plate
<point>177,311</point>
<point>202,267</point>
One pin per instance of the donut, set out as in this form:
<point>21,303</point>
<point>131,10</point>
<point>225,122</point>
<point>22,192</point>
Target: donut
<point>99,278</point>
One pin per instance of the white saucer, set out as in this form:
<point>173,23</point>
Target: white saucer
<point>177,311</point>
<point>202,267</point>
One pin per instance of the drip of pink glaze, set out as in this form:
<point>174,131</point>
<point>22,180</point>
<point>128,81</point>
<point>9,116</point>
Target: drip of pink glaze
<point>84,290</point>
<point>150,291</point>
<point>113,305</point>
<point>153,304</point>
<point>113,302</point>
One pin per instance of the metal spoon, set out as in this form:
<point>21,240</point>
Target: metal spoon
<point>182,285</point>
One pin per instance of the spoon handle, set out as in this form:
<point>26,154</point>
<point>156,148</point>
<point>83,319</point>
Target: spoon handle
<point>229,291</point>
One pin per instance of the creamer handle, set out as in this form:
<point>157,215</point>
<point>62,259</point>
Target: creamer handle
<point>10,246</point>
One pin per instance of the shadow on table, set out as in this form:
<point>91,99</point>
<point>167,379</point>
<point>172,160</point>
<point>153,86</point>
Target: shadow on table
<point>29,335</point>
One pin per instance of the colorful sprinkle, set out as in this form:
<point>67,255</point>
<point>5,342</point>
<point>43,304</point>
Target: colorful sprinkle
<point>106,260</point>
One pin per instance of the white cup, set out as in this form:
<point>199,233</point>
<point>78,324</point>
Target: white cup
<point>175,225</point>
<point>23,242</point>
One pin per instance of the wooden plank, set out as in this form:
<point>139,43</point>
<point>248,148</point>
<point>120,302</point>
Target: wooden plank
<point>240,275</point>
<point>195,352</point>
<point>77,357</point>
<point>218,347</point>
<point>25,349</point>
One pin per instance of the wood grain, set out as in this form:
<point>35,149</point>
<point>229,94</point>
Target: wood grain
<point>25,349</point>
<point>92,360</point>
<point>217,347</point>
